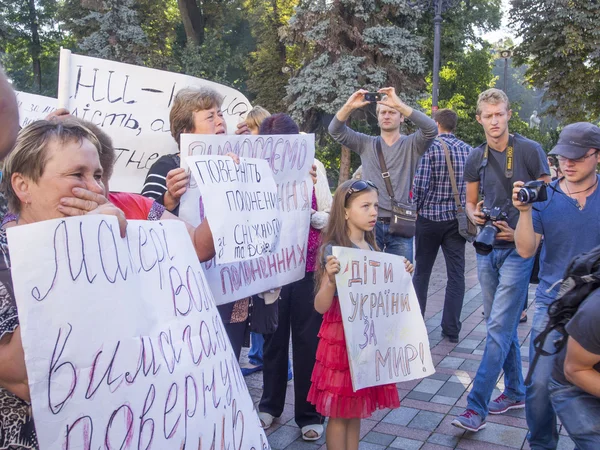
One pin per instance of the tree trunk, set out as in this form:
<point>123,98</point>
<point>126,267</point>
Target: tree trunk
<point>193,21</point>
<point>344,165</point>
<point>35,46</point>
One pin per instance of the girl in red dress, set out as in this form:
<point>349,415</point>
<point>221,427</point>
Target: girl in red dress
<point>351,224</point>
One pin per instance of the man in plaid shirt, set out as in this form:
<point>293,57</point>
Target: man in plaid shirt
<point>436,222</point>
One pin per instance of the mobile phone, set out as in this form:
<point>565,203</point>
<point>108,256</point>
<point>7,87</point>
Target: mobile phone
<point>373,97</point>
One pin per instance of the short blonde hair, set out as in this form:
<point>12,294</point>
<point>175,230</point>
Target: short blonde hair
<point>492,96</point>
<point>186,103</point>
<point>30,153</point>
<point>378,107</point>
<point>256,116</point>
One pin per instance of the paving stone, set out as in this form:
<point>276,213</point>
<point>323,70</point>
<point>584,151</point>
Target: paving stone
<point>283,437</point>
<point>565,443</point>
<point>450,389</point>
<point>429,386</point>
<point>470,365</point>
<point>465,380</point>
<point>444,439</point>
<point>406,444</point>
<point>369,446</point>
<point>439,376</point>
<point>401,416</point>
<point>420,396</point>
<point>444,400</point>
<point>500,434</point>
<point>426,420</point>
<point>451,362</point>
<point>469,343</point>
<point>303,445</point>
<point>378,438</point>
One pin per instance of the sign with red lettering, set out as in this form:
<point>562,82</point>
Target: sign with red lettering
<point>132,104</point>
<point>241,202</point>
<point>290,158</point>
<point>386,337</point>
<point>123,343</point>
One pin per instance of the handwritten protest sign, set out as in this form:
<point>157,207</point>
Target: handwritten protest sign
<point>132,104</point>
<point>290,158</point>
<point>386,337</point>
<point>34,107</point>
<point>241,200</point>
<point>123,343</point>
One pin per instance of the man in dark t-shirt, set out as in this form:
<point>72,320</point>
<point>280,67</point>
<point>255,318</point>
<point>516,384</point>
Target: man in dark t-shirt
<point>575,384</point>
<point>503,274</point>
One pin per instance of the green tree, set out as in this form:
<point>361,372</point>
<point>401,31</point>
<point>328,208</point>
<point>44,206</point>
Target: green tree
<point>350,45</point>
<point>561,47</point>
<point>271,63</point>
<point>30,36</point>
<point>118,36</point>
<point>461,82</point>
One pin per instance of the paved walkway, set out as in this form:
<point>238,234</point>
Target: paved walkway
<point>429,405</point>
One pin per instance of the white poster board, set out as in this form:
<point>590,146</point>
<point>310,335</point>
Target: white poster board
<point>242,201</point>
<point>132,104</point>
<point>290,158</point>
<point>123,343</point>
<point>386,337</point>
<point>34,107</point>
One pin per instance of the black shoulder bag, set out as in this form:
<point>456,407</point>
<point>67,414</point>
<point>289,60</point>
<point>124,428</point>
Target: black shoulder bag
<point>404,215</point>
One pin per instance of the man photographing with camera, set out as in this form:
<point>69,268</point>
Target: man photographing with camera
<point>389,161</point>
<point>568,221</point>
<point>491,169</point>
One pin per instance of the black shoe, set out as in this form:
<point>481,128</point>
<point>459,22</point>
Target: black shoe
<point>452,339</point>
<point>523,319</point>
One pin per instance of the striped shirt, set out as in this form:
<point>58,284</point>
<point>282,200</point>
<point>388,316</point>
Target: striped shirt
<point>432,190</point>
<point>155,185</point>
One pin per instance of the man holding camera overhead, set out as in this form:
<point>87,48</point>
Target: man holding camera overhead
<point>568,219</point>
<point>389,161</point>
<point>503,275</point>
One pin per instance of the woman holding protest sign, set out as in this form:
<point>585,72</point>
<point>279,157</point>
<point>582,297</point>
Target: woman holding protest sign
<point>296,314</point>
<point>48,162</point>
<point>352,221</point>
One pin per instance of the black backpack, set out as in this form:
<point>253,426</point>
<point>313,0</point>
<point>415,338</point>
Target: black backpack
<point>581,278</point>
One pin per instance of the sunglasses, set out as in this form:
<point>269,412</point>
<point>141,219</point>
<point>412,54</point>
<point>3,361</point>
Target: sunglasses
<point>359,186</point>
<point>562,159</point>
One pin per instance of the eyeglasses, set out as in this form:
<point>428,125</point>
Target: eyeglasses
<point>562,159</point>
<point>359,186</point>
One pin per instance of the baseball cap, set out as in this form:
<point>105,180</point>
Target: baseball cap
<point>576,139</point>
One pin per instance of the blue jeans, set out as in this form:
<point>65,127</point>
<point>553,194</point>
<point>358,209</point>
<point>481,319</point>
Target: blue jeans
<point>504,278</point>
<point>255,354</point>
<point>541,418</point>
<point>395,245</point>
<point>579,413</point>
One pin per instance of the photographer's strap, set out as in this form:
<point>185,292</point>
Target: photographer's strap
<point>459,207</point>
<point>384,170</point>
<point>508,167</point>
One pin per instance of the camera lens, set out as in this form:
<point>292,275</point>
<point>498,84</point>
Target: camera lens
<point>526,195</point>
<point>484,243</point>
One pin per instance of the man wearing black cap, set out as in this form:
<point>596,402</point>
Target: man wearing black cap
<point>568,221</point>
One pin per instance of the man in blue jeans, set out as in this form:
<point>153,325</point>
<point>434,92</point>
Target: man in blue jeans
<point>401,155</point>
<point>491,169</point>
<point>568,221</point>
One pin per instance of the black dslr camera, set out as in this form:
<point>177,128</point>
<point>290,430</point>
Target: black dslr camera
<point>532,192</point>
<point>484,243</point>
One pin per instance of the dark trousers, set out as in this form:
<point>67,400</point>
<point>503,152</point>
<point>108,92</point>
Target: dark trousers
<point>296,313</point>
<point>429,237</point>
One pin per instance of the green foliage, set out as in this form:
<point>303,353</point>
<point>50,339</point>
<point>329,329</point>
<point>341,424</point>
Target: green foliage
<point>118,36</point>
<point>561,46</point>
<point>17,44</point>
<point>353,44</point>
<point>461,81</point>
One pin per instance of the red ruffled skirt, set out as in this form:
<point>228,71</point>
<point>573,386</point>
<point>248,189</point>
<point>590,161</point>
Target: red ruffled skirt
<point>331,390</point>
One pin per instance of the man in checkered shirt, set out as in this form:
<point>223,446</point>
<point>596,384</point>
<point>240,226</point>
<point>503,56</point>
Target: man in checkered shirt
<point>436,222</point>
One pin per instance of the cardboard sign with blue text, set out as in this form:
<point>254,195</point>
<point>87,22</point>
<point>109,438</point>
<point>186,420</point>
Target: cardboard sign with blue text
<point>386,337</point>
<point>34,107</point>
<point>290,158</point>
<point>132,104</point>
<point>241,201</point>
<point>124,346</point>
